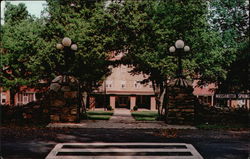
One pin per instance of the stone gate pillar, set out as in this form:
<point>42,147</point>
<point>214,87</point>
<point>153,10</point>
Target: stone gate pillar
<point>181,105</point>
<point>64,100</point>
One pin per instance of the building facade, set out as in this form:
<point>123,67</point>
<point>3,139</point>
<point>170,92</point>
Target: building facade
<point>123,90</point>
<point>24,96</point>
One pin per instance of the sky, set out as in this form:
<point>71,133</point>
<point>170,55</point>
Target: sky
<point>34,7</point>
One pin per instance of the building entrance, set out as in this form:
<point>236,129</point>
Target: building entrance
<point>122,102</point>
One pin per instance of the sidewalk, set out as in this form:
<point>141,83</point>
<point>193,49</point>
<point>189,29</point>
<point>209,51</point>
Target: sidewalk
<point>121,119</point>
<point>121,116</point>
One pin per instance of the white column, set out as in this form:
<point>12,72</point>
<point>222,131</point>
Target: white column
<point>112,101</point>
<point>152,103</point>
<point>132,102</point>
<point>34,96</point>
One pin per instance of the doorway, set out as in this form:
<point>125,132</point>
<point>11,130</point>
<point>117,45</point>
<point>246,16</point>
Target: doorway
<point>122,102</point>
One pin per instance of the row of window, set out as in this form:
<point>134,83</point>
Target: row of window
<point>109,84</point>
<point>22,98</point>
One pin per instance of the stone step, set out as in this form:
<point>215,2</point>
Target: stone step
<point>124,151</point>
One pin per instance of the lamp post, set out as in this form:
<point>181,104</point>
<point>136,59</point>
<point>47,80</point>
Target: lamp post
<point>180,48</point>
<point>68,48</point>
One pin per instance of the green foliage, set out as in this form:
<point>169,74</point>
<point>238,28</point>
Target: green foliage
<point>19,42</point>
<point>135,108</point>
<point>149,28</point>
<point>29,50</point>
<point>231,20</point>
<point>99,115</point>
<point>14,14</point>
<point>86,25</point>
<point>109,108</point>
<point>145,115</point>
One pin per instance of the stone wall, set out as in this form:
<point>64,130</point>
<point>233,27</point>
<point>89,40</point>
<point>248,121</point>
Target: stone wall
<point>181,106</point>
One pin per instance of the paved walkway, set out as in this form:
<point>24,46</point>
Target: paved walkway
<point>121,116</point>
<point>121,119</point>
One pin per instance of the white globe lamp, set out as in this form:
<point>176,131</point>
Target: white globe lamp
<point>179,44</point>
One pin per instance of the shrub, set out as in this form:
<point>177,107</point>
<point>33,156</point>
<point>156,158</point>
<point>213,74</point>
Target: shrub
<point>31,113</point>
<point>221,115</point>
<point>135,108</point>
<point>109,108</point>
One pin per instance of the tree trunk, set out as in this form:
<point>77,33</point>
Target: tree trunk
<point>85,98</point>
<point>160,91</point>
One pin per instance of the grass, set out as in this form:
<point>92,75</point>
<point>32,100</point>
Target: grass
<point>145,115</point>
<point>99,115</point>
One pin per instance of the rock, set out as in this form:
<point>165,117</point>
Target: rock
<point>72,94</point>
<point>65,88</point>
<point>72,118</point>
<point>68,118</point>
<point>57,103</point>
<point>45,110</point>
<point>65,110</point>
<point>54,117</point>
<point>55,87</point>
<point>36,106</point>
<point>73,111</point>
<point>58,79</point>
<point>73,79</point>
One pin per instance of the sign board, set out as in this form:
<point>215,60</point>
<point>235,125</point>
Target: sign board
<point>232,96</point>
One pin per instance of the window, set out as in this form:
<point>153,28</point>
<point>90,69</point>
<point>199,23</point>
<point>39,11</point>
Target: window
<point>3,98</point>
<point>123,84</point>
<point>109,84</point>
<point>25,98</point>
<point>136,84</point>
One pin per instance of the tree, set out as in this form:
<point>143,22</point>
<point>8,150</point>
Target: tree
<point>149,28</point>
<point>85,23</point>
<point>20,35</point>
<point>15,13</point>
<point>231,20</point>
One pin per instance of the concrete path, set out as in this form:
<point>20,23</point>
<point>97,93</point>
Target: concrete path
<point>121,119</point>
<point>121,116</point>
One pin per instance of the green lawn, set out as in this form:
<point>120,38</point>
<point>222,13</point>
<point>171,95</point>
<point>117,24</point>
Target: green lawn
<point>145,115</point>
<point>99,115</point>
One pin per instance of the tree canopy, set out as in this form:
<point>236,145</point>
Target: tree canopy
<point>231,20</point>
<point>149,28</point>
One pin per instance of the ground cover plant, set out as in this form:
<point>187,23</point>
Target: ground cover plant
<point>99,115</point>
<point>145,115</point>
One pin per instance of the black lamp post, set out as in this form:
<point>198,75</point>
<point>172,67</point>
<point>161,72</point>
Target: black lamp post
<point>180,48</point>
<point>68,49</point>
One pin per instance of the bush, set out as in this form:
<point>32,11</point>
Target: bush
<point>109,108</point>
<point>135,108</point>
<point>31,113</point>
<point>221,115</point>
